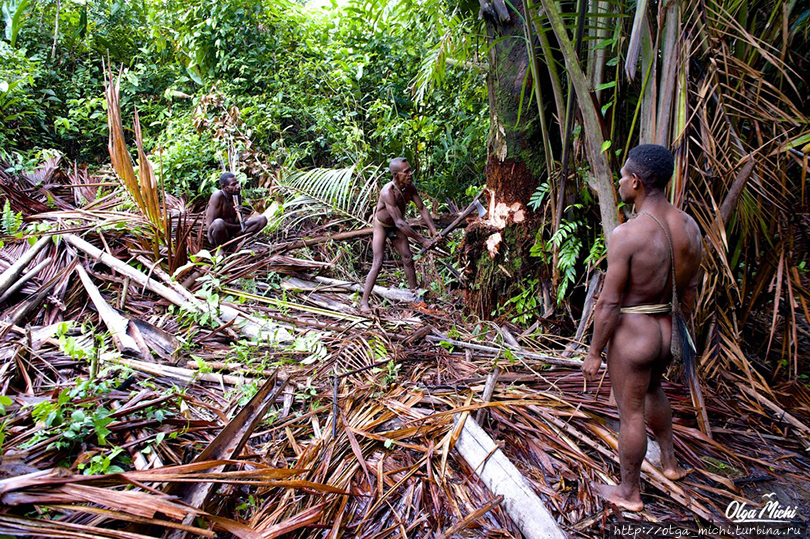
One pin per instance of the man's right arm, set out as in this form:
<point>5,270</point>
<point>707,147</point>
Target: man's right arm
<point>211,212</point>
<point>608,308</point>
<point>399,220</point>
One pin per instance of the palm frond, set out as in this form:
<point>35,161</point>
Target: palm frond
<point>454,47</point>
<point>344,193</point>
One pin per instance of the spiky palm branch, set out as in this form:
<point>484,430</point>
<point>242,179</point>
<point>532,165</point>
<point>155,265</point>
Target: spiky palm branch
<point>345,194</point>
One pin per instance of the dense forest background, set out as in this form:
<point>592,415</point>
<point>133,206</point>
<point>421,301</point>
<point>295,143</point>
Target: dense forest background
<point>537,102</point>
<point>297,86</point>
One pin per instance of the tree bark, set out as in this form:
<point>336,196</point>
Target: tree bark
<point>496,248</point>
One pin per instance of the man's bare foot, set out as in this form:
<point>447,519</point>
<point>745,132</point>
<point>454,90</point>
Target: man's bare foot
<point>676,473</point>
<point>612,494</point>
<point>364,308</point>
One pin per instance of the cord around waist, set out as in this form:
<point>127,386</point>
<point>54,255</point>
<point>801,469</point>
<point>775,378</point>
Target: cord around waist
<point>653,308</point>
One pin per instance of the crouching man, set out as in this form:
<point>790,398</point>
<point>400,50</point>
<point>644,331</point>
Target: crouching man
<point>221,219</point>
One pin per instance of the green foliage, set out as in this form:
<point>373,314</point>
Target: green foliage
<point>342,192</point>
<point>313,88</point>
<point>188,161</point>
<point>14,13</point>
<point>539,196</point>
<point>11,222</point>
<point>310,343</point>
<point>101,463</point>
<point>4,401</point>
<point>211,288</point>
<point>18,101</point>
<point>72,422</point>
<point>525,304</point>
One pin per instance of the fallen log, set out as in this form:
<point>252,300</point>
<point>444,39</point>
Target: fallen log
<point>24,279</point>
<point>25,307</point>
<point>116,324</point>
<point>498,473</point>
<point>12,274</point>
<point>184,375</point>
<point>249,326</point>
<point>393,294</point>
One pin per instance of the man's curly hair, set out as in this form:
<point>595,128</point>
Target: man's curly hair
<point>652,163</point>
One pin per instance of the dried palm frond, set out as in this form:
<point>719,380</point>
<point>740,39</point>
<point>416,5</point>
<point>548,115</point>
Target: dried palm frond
<point>142,186</point>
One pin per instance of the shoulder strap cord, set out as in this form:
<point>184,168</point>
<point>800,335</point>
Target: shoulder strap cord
<point>676,304</point>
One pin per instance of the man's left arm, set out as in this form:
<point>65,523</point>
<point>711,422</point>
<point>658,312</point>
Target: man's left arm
<point>425,214</point>
<point>689,298</point>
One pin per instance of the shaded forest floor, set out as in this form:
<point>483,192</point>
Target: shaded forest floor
<point>245,395</point>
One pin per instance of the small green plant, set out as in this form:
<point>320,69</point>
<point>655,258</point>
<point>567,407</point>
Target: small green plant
<point>11,222</point>
<point>211,287</point>
<point>310,343</point>
<point>4,401</point>
<point>245,392</point>
<point>73,423</point>
<point>393,372</point>
<point>249,505</point>
<point>538,197</point>
<point>101,464</point>
<point>525,303</point>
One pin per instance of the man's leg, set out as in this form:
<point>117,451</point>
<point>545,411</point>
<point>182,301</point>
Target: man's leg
<point>218,233</point>
<point>378,248</point>
<point>255,224</point>
<point>659,417</point>
<point>404,250</point>
<point>635,346</point>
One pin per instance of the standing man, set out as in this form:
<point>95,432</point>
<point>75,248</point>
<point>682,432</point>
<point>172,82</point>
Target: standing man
<point>222,222</point>
<point>653,260</point>
<point>389,222</point>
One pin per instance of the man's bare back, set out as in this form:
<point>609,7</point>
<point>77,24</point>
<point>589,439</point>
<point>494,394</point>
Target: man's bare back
<point>639,279</point>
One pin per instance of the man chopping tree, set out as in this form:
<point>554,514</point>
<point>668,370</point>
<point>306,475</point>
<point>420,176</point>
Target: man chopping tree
<point>222,221</point>
<point>390,223</point>
<point>651,283</point>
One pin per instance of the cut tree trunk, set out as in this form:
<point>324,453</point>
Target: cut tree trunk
<point>495,249</point>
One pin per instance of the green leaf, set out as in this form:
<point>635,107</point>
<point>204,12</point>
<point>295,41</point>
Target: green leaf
<point>605,146</point>
<point>606,85</point>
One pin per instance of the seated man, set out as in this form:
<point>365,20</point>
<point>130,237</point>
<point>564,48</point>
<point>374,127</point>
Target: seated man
<point>221,220</point>
<point>389,222</point>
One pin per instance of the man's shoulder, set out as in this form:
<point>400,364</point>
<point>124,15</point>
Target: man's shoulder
<point>627,231</point>
<point>630,236</point>
<point>689,222</point>
<point>217,195</point>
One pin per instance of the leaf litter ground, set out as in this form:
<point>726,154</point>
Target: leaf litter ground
<point>245,396</point>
